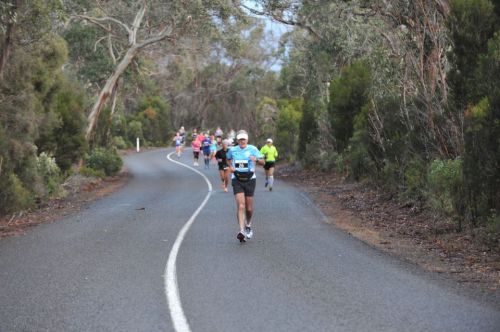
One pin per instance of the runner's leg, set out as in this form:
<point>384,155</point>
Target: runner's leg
<point>240,210</point>
<point>222,174</point>
<point>271,177</point>
<point>248,210</point>
<point>227,177</point>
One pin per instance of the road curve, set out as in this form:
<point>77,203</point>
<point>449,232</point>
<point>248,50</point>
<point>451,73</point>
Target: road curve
<point>102,269</point>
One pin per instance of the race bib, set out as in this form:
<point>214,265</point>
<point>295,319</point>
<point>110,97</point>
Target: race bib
<point>241,165</point>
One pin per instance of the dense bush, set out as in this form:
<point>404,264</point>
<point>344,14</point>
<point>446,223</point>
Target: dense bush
<point>135,131</point>
<point>90,172</point>
<point>348,95</point>
<point>14,195</point>
<point>65,139</point>
<point>445,185</point>
<point>475,86</point>
<point>50,174</point>
<point>106,160</point>
<point>41,109</point>
<point>287,127</point>
<point>308,128</point>
<point>151,123</point>
<point>120,143</point>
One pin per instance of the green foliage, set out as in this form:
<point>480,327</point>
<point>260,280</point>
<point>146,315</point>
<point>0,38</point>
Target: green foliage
<point>445,186</point>
<point>151,124</point>
<point>287,127</point>
<point>308,129</point>
<point>471,24</point>
<point>415,178</point>
<point>348,94</point>
<point>482,158</point>
<point>106,160</point>
<point>267,117</point>
<point>120,143</point>
<point>65,138</point>
<point>49,172</point>
<point>40,109</point>
<point>361,162</point>
<point>154,116</point>
<point>93,62</point>
<point>14,195</point>
<point>135,131</point>
<point>90,172</point>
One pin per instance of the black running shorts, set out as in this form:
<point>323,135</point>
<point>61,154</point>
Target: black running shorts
<point>223,167</point>
<point>248,187</point>
<point>196,154</point>
<point>269,164</point>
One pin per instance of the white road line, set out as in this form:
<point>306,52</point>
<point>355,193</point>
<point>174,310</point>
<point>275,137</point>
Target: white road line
<point>171,287</point>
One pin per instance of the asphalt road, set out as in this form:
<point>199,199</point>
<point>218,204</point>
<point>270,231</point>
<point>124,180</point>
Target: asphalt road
<point>103,269</point>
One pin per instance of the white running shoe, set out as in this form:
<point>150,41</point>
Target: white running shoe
<point>248,232</point>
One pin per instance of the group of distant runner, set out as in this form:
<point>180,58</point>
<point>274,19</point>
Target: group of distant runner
<point>237,161</point>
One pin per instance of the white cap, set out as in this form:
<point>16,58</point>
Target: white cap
<point>242,135</point>
<point>269,140</point>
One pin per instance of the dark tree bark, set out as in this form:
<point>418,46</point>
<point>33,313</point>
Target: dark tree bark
<point>9,39</point>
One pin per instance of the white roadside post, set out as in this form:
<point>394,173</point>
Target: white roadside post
<point>138,148</point>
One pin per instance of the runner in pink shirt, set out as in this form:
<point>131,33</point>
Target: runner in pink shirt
<point>196,145</point>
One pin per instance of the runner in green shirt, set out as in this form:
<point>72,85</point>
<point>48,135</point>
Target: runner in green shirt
<point>270,153</point>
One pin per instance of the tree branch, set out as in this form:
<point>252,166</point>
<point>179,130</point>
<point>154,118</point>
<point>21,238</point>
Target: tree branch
<point>166,34</point>
<point>110,48</point>
<point>284,21</point>
<point>99,20</point>
<point>132,38</point>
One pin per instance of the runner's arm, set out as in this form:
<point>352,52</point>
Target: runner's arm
<point>229,157</point>
<point>257,158</point>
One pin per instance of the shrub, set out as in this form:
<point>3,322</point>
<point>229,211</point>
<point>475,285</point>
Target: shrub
<point>14,196</point>
<point>329,161</point>
<point>106,160</point>
<point>287,127</point>
<point>90,172</point>
<point>135,131</point>
<point>415,178</point>
<point>49,172</point>
<point>445,184</point>
<point>348,95</point>
<point>119,143</point>
<point>360,163</point>
<point>389,177</point>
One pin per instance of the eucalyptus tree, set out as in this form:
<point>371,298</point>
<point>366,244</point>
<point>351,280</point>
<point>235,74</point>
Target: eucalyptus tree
<point>24,22</point>
<point>219,79</point>
<point>130,27</point>
<point>404,41</point>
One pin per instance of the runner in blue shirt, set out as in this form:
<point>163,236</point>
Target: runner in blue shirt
<point>178,144</point>
<point>242,160</point>
<point>205,146</point>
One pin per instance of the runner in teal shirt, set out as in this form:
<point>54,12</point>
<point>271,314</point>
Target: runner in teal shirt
<point>242,160</point>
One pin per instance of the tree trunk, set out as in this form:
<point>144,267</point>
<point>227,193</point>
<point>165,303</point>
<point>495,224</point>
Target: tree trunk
<point>107,90</point>
<point>114,97</point>
<point>9,40</point>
